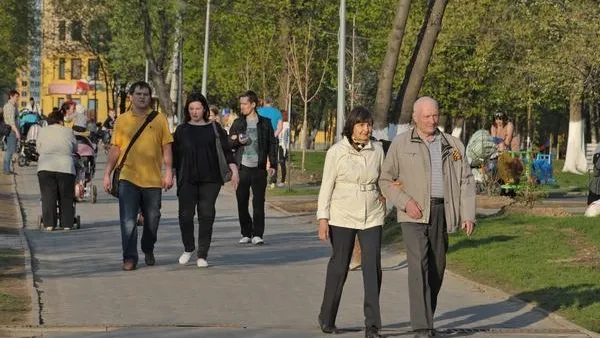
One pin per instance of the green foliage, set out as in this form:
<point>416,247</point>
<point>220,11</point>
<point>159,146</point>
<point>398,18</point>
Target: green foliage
<point>16,27</point>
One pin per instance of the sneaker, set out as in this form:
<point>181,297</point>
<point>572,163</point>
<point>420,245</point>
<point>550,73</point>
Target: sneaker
<point>49,228</point>
<point>185,257</point>
<point>202,263</point>
<point>280,185</point>
<point>272,185</point>
<point>245,240</point>
<point>257,240</point>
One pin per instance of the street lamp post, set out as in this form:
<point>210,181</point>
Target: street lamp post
<point>341,72</point>
<point>206,35</point>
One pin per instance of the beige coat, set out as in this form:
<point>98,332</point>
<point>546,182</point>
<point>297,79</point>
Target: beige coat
<point>407,162</point>
<point>349,195</point>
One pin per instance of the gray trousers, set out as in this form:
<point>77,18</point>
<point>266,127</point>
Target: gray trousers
<point>342,242</point>
<point>426,247</point>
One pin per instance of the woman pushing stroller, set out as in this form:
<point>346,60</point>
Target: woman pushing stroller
<point>56,145</point>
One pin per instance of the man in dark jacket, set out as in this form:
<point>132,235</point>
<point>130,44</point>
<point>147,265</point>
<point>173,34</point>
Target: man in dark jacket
<point>253,139</point>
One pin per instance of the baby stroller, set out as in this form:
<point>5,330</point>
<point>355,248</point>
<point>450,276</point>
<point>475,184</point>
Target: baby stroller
<point>76,221</point>
<point>85,167</point>
<point>29,126</point>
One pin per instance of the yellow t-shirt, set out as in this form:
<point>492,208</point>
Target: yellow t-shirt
<point>144,161</point>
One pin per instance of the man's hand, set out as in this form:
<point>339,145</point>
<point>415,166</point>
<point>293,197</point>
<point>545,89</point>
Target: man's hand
<point>107,182</point>
<point>167,182</point>
<point>235,179</point>
<point>413,209</point>
<point>468,227</point>
<point>324,229</point>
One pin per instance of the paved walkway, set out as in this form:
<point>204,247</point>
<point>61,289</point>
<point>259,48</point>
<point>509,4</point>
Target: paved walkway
<point>269,291</point>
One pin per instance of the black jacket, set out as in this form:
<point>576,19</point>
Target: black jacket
<point>267,142</point>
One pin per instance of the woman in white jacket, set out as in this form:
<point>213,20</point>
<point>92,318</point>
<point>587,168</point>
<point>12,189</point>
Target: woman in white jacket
<point>351,204</point>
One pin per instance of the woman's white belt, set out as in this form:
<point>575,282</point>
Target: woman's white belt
<point>360,186</point>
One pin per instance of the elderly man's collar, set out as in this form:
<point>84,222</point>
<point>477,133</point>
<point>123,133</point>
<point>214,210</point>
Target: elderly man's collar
<point>414,137</point>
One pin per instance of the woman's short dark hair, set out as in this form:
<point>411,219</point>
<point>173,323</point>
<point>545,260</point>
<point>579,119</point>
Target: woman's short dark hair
<point>195,97</point>
<point>56,116</point>
<point>66,105</point>
<point>357,115</point>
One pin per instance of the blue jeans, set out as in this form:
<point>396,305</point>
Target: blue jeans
<point>11,148</point>
<point>131,199</point>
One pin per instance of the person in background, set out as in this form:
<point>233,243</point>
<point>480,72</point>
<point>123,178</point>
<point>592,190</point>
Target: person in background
<point>253,139</point>
<point>11,118</point>
<point>350,204</point>
<point>283,150</point>
<point>274,115</point>
<point>594,184</point>
<point>199,180</point>
<point>33,107</point>
<point>56,171</point>
<point>428,178</point>
<point>214,114</point>
<point>504,132</point>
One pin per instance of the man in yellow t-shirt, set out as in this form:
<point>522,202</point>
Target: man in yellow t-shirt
<point>141,181</point>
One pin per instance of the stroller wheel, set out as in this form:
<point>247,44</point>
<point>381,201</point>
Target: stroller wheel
<point>94,194</point>
<point>22,161</point>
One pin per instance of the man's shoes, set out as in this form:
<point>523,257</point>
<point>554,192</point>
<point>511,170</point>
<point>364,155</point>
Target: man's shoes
<point>128,265</point>
<point>326,328</point>
<point>149,259</point>
<point>272,186</point>
<point>372,332</point>
<point>245,240</point>
<point>257,240</point>
<point>280,185</point>
<point>185,257</point>
<point>9,173</point>
<point>202,263</point>
<point>423,333</point>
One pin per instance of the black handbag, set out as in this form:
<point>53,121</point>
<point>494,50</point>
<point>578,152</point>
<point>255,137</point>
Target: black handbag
<point>114,189</point>
<point>223,165</point>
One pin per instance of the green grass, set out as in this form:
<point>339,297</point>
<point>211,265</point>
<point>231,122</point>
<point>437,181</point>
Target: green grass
<point>313,162</point>
<point>292,192</point>
<point>551,262</point>
<point>567,181</point>
<point>14,299</point>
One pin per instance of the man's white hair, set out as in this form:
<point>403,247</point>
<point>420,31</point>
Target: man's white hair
<point>423,100</point>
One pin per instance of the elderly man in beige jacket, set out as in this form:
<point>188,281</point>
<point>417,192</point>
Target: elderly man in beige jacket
<point>428,179</point>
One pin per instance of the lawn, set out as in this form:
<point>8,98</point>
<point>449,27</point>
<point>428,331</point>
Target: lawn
<point>292,192</point>
<point>314,161</point>
<point>14,299</point>
<point>551,262</point>
<point>566,182</point>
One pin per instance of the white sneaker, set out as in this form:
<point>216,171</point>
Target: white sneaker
<point>280,185</point>
<point>202,263</point>
<point>245,240</point>
<point>272,185</point>
<point>257,240</point>
<point>49,228</point>
<point>185,257</point>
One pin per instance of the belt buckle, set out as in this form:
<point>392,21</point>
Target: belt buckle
<point>363,187</point>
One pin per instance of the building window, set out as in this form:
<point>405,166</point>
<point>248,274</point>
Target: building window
<point>93,69</point>
<point>24,94</point>
<point>23,83</point>
<point>75,69</point>
<point>61,69</point>
<point>62,30</point>
<point>23,104</point>
<point>76,34</point>
<point>92,108</point>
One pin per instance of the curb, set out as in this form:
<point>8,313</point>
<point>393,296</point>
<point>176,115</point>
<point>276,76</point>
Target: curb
<point>497,293</point>
<point>34,313</point>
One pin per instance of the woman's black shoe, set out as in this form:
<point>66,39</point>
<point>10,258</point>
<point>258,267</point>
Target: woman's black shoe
<point>326,328</point>
<point>372,332</point>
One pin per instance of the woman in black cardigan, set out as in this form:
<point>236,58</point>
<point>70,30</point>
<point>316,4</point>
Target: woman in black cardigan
<point>198,175</point>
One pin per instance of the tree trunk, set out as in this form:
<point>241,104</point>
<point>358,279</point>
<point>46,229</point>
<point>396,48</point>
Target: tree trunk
<point>417,67</point>
<point>593,120</point>
<point>388,70</point>
<point>575,160</point>
<point>160,87</point>
<point>303,134</point>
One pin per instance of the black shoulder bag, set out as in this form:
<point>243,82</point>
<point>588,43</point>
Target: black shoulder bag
<point>114,189</point>
<point>223,165</point>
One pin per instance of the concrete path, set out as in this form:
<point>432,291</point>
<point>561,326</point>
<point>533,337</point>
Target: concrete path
<point>248,291</point>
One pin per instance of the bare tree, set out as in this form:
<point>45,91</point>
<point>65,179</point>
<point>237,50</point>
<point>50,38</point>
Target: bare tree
<point>388,69</point>
<point>417,67</point>
<point>302,67</point>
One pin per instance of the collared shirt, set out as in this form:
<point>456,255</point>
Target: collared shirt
<point>437,176</point>
<point>10,115</point>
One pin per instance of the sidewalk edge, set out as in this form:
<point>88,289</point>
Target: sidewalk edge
<point>497,293</point>
<point>34,312</point>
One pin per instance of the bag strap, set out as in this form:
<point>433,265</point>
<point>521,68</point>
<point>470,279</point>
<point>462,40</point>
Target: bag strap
<point>149,119</point>
<point>217,136</point>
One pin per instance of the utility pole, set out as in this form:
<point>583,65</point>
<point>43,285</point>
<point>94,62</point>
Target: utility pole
<point>205,63</point>
<point>341,72</point>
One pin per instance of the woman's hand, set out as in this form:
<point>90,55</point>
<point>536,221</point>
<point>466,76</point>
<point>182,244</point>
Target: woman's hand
<point>324,229</point>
